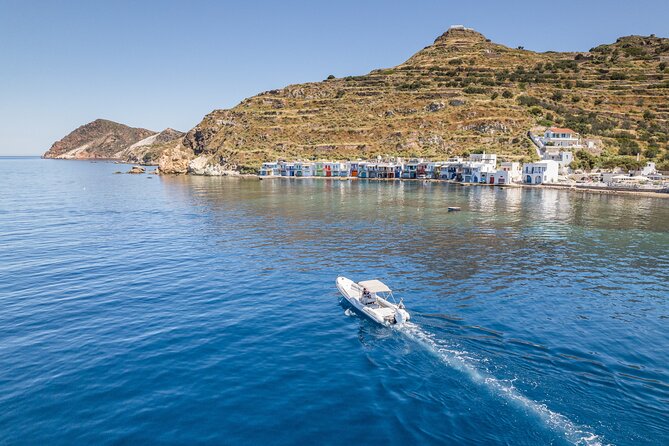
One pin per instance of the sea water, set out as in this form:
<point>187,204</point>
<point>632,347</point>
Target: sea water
<point>177,310</point>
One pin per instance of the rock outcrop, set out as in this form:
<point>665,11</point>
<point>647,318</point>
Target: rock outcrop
<point>175,159</point>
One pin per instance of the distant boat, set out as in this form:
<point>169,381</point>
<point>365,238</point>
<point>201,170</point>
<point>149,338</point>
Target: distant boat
<point>454,208</point>
<point>373,299</point>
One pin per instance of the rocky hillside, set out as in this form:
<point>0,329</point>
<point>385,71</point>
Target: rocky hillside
<point>111,140</point>
<point>98,139</point>
<point>460,94</point>
<point>148,150</point>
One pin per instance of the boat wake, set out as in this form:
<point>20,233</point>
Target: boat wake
<point>578,435</point>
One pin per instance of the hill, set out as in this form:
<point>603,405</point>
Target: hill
<point>110,140</point>
<point>463,93</point>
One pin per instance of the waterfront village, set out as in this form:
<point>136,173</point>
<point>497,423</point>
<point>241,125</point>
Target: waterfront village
<point>555,150</point>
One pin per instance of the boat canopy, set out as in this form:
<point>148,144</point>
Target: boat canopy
<point>375,286</point>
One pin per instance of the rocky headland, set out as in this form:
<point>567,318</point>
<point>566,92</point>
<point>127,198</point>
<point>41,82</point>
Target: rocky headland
<point>104,139</point>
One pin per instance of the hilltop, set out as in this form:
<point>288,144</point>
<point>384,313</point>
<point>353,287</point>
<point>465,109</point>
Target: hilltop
<point>462,93</point>
<point>110,140</point>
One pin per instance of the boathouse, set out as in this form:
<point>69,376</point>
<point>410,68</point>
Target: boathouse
<point>541,172</point>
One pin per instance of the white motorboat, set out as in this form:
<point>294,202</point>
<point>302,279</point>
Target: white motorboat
<point>374,299</point>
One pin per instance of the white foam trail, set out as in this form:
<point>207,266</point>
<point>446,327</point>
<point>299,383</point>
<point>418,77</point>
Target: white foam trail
<point>572,432</point>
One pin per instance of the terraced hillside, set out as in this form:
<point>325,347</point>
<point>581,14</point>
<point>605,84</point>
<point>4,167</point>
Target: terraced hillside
<point>463,93</point>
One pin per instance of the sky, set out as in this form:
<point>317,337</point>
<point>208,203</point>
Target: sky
<point>159,64</point>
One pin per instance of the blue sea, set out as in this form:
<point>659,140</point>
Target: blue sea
<point>141,309</point>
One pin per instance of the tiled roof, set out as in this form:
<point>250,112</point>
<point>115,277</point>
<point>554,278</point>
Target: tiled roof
<point>561,130</point>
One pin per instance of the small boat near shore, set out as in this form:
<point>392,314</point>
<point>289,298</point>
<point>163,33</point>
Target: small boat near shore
<point>373,299</point>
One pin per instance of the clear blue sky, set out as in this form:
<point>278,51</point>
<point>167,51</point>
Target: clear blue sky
<point>158,64</point>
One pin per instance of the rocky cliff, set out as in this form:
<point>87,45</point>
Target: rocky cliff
<point>461,93</point>
<point>111,140</point>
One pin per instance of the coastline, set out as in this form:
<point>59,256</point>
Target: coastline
<point>566,187</point>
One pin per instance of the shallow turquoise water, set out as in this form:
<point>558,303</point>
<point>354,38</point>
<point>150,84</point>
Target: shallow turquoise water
<point>203,310</point>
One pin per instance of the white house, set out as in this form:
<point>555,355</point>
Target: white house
<point>485,158</point>
<point>561,137</point>
<point>648,169</point>
<point>563,157</point>
<point>476,172</point>
<point>270,169</point>
<point>304,169</point>
<point>541,172</point>
<point>508,173</point>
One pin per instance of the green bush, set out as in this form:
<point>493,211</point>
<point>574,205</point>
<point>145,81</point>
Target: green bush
<point>528,101</point>
<point>557,96</point>
<point>474,90</point>
<point>625,162</point>
<point>506,94</point>
<point>411,85</point>
<point>536,111</point>
<point>583,160</point>
<point>634,51</point>
<point>628,147</point>
<point>651,152</point>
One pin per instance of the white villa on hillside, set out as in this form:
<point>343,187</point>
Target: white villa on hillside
<point>540,172</point>
<point>561,137</point>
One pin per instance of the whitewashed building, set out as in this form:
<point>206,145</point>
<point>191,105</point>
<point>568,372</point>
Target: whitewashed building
<point>476,172</point>
<point>508,172</point>
<point>541,172</point>
<point>563,157</point>
<point>561,137</point>
<point>485,158</point>
<point>648,169</point>
<point>304,169</point>
<point>270,169</point>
